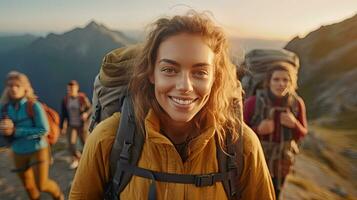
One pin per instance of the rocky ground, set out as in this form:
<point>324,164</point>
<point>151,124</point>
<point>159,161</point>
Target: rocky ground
<point>325,169</point>
<point>10,185</point>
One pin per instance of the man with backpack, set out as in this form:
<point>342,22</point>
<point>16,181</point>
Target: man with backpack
<point>75,110</point>
<point>273,109</point>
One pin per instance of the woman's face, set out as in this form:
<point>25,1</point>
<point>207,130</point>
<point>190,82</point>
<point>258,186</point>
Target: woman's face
<point>15,89</point>
<point>279,83</point>
<point>183,76</point>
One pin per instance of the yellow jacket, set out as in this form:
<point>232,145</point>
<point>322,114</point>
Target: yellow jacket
<point>159,154</point>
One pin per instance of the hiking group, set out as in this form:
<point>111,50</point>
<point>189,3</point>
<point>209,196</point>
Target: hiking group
<point>169,120</point>
<point>31,128</point>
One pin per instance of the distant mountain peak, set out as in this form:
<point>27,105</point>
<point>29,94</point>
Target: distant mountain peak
<point>94,25</point>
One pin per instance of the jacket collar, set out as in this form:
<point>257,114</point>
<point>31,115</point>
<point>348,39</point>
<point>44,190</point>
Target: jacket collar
<point>19,102</point>
<point>196,145</point>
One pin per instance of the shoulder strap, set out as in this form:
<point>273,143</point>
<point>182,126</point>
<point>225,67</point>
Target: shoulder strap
<point>227,161</point>
<point>29,108</point>
<point>260,107</point>
<point>82,98</point>
<point>95,116</point>
<point>295,105</point>
<point>129,142</point>
<point>126,149</point>
<point>65,100</point>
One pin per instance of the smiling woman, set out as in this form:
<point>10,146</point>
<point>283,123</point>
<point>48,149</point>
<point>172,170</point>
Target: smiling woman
<point>187,104</point>
<point>182,78</point>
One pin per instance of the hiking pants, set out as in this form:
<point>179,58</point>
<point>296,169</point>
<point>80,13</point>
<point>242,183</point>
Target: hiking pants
<point>72,134</point>
<point>35,177</point>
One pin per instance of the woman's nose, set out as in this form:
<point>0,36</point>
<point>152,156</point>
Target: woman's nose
<point>184,83</point>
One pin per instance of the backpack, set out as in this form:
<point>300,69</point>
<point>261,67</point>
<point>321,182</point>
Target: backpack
<point>52,118</point>
<point>257,63</point>
<point>110,95</point>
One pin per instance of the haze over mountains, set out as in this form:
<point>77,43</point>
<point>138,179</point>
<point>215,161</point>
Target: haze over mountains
<point>53,60</point>
<point>327,76</point>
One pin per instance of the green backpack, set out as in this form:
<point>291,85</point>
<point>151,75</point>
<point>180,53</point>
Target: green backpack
<point>256,64</point>
<point>110,95</point>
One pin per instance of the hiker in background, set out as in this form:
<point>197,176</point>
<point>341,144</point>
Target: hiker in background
<point>75,110</point>
<point>29,144</point>
<point>187,106</point>
<point>277,115</point>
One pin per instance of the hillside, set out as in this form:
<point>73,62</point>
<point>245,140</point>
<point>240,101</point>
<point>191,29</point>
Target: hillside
<point>8,43</point>
<point>328,76</point>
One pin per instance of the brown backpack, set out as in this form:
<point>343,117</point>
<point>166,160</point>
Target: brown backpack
<point>52,118</point>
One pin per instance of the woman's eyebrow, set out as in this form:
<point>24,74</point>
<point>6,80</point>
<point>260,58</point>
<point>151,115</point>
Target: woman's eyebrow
<point>169,61</point>
<point>202,64</point>
<point>173,62</point>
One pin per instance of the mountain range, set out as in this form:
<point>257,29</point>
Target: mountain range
<point>52,61</point>
<point>328,76</point>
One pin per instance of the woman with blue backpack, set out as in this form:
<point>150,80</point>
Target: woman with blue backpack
<point>27,136</point>
<point>180,128</point>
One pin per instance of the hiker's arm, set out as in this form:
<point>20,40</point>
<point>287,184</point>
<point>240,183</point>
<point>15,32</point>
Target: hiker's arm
<point>255,181</point>
<point>40,127</point>
<point>301,122</point>
<point>88,106</point>
<point>87,109</point>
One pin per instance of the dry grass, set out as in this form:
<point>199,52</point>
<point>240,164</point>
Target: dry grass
<point>313,191</point>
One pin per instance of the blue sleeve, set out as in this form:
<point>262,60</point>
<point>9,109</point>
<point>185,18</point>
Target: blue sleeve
<point>41,124</point>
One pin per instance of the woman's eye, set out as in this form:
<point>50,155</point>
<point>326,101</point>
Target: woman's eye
<point>201,74</point>
<point>168,70</point>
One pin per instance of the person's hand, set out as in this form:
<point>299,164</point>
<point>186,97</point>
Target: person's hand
<point>7,127</point>
<point>266,127</point>
<point>288,119</point>
<point>63,131</point>
<point>84,116</point>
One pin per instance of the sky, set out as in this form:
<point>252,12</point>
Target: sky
<point>264,19</point>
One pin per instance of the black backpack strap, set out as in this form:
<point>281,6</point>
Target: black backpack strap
<point>199,180</point>
<point>260,108</point>
<point>127,149</point>
<point>227,162</point>
<point>95,116</point>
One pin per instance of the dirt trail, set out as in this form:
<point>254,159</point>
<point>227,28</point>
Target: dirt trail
<point>317,175</point>
<point>10,185</point>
